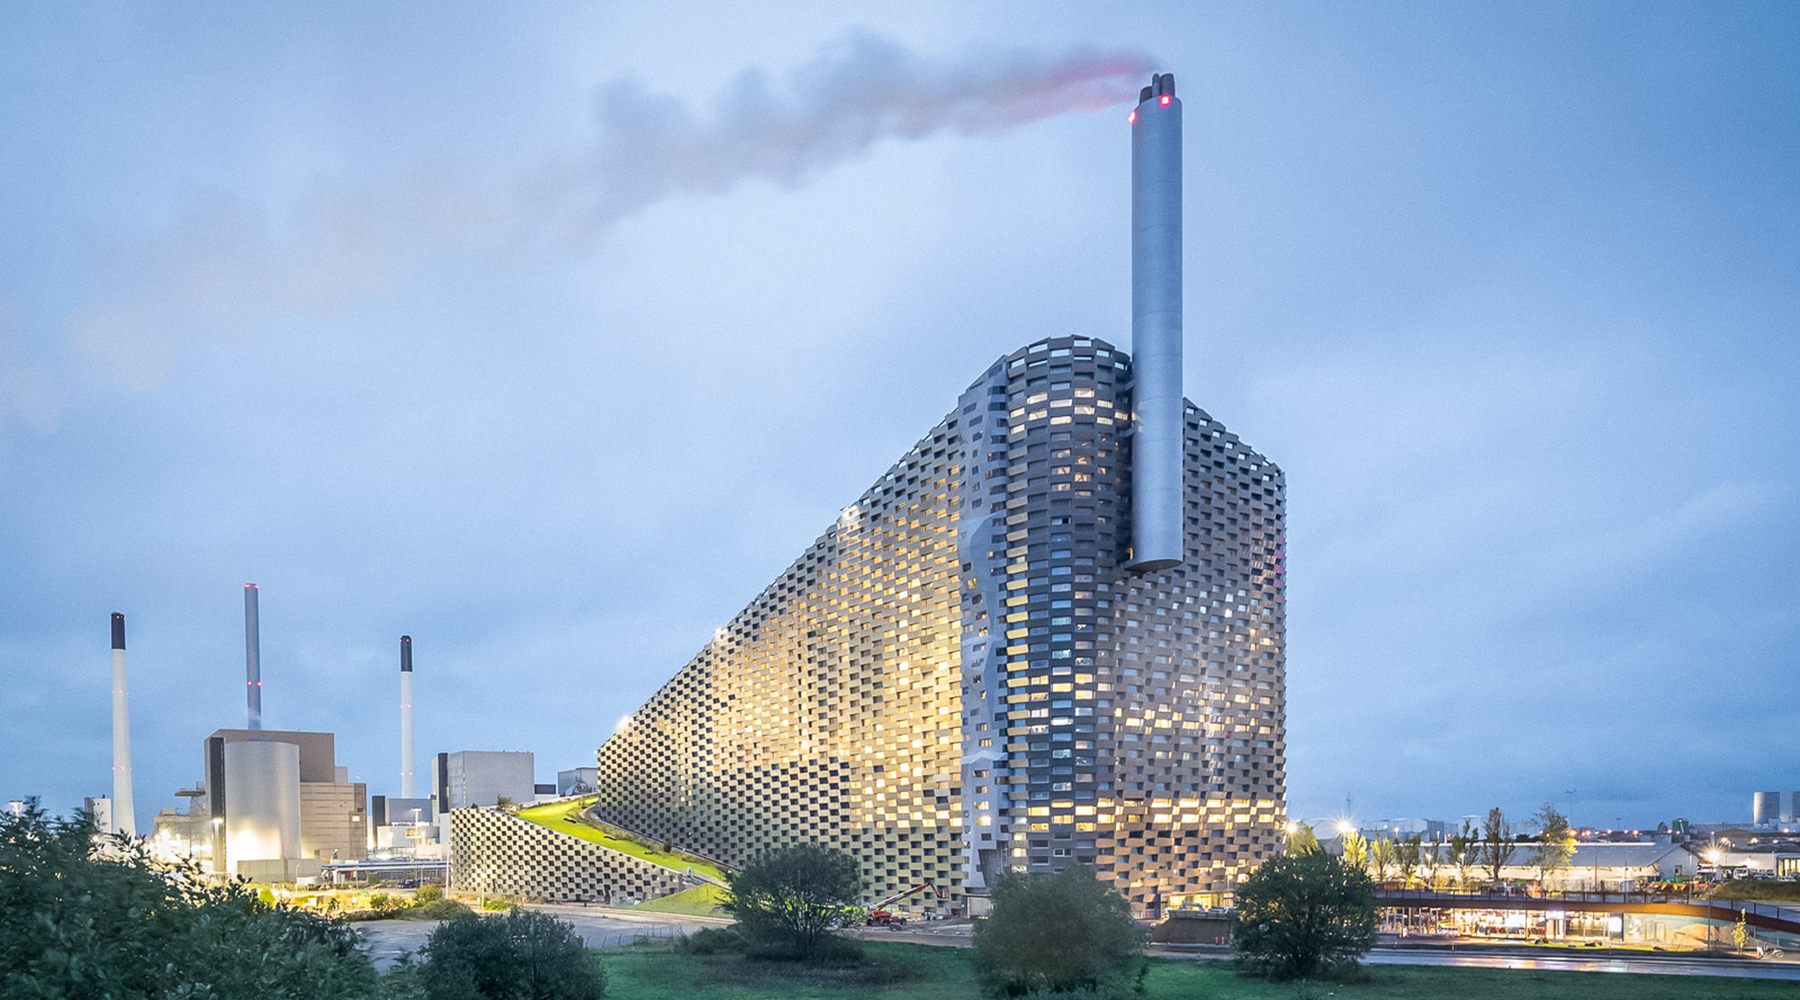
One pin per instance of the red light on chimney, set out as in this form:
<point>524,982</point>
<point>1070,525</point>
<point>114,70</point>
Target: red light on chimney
<point>1165,100</point>
<point>1132,117</point>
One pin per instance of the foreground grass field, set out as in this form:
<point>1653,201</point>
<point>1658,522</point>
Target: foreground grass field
<point>921,972</point>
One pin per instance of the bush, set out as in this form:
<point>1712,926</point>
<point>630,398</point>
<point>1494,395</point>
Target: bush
<point>95,917</point>
<point>1305,915</point>
<point>1060,933</point>
<point>521,955</point>
<point>710,941</point>
<point>439,909</point>
<point>787,902</point>
<point>430,892</point>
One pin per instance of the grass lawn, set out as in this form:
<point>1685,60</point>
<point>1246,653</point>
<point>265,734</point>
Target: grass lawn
<point>700,901</point>
<point>921,972</point>
<point>565,817</point>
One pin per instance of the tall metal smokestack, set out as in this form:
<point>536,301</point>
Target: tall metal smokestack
<point>409,787</point>
<point>124,816</point>
<point>252,658</point>
<point>1157,538</point>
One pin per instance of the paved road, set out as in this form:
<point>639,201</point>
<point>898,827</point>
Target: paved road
<point>598,926</point>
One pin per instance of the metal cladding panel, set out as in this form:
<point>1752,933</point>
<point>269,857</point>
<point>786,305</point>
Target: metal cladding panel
<point>263,823</point>
<point>1157,540</point>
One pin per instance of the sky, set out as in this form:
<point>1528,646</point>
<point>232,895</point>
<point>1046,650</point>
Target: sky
<point>548,334</point>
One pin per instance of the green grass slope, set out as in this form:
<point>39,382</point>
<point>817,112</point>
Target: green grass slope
<point>565,817</point>
<point>700,901</point>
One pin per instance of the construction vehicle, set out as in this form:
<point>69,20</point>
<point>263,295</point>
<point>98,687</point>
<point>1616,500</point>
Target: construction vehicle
<point>879,916</point>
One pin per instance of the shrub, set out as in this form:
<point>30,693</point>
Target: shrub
<point>440,909</point>
<point>521,955</point>
<point>787,902</point>
<point>430,892</point>
<point>1058,933</point>
<point>1305,915</point>
<point>81,919</point>
<point>711,941</point>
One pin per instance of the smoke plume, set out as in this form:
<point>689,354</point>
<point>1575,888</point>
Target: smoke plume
<point>652,146</point>
<point>227,270</point>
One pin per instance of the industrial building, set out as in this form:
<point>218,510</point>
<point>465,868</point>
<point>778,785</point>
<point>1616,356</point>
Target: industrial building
<point>577,781</point>
<point>469,779</point>
<point>271,804</point>
<point>1774,808</point>
<point>1052,632</point>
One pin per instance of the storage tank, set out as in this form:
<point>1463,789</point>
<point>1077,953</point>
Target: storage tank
<point>262,801</point>
<point>1764,808</point>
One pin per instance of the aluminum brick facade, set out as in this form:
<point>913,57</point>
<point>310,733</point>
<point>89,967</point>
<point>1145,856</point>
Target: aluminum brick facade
<point>495,852</point>
<point>959,675</point>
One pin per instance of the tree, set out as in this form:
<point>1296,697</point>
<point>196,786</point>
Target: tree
<point>787,902</point>
<point>86,916</point>
<point>1463,847</point>
<point>519,955</point>
<point>1382,858</point>
<point>1302,840</point>
<point>1556,844</point>
<point>1356,850</point>
<point>1431,861</point>
<point>1407,854</point>
<point>1056,933</point>
<point>1305,915</point>
<point>1495,849</point>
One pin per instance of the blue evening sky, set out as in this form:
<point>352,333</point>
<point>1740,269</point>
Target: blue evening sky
<point>547,335</point>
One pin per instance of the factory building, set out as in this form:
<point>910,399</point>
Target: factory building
<point>469,779</point>
<point>577,781</point>
<point>272,805</point>
<point>1772,808</point>
<point>1053,632</point>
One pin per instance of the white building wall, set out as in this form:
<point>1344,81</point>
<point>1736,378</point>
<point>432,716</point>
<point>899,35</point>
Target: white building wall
<point>482,777</point>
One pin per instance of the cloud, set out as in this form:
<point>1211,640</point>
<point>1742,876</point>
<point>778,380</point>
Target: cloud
<point>227,269</point>
<point>25,388</point>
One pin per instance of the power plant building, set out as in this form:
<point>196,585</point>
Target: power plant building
<point>471,778</point>
<point>992,659</point>
<point>273,805</point>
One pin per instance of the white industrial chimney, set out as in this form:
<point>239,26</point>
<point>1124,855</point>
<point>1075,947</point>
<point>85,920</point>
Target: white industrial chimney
<point>409,787</point>
<point>252,658</point>
<point>1157,538</point>
<point>124,818</point>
